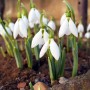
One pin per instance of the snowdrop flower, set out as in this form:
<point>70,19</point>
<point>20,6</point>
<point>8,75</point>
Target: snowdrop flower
<point>20,28</point>
<point>62,18</point>
<point>45,20</point>
<point>11,26</point>
<point>40,38</point>
<point>87,35</point>
<point>34,17</point>
<point>67,28</point>
<point>2,31</point>
<point>54,49</point>
<point>80,28</point>
<point>52,25</point>
<point>88,27</point>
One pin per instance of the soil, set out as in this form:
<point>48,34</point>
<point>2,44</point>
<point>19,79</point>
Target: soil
<point>11,76</point>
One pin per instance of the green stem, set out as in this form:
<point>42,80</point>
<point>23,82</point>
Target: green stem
<point>75,56</point>
<point>63,62</point>
<point>28,52</point>
<point>36,52</point>
<point>36,49</point>
<point>9,46</point>
<point>17,55</point>
<point>2,51</point>
<point>51,71</point>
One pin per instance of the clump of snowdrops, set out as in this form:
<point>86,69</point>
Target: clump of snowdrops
<point>42,42</point>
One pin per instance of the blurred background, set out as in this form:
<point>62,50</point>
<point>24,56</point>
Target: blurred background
<point>52,7</point>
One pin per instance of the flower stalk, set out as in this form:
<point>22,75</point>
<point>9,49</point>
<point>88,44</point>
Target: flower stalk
<point>28,52</point>
<point>2,51</point>
<point>17,55</point>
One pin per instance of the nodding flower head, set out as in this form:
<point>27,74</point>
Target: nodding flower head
<point>20,27</point>
<point>52,25</point>
<point>54,49</point>
<point>2,31</point>
<point>68,27</point>
<point>88,28</point>
<point>40,38</point>
<point>80,28</point>
<point>34,17</point>
<point>87,35</point>
<point>45,20</point>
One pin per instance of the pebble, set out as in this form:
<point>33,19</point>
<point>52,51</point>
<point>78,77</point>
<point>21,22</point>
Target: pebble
<point>62,80</point>
<point>41,86</point>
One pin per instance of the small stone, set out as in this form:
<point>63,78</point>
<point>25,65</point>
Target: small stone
<point>21,85</point>
<point>40,86</point>
<point>62,80</point>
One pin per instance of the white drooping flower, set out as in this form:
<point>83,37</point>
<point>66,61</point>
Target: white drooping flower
<point>40,38</point>
<point>45,20</point>
<point>62,19</point>
<point>80,28</point>
<point>88,27</point>
<point>34,17</point>
<point>67,28</point>
<point>11,26</point>
<point>20,27</point>
<point>87,35</point>
<point>52,25</point>
<point>2,31</point>
<point>54,49</point>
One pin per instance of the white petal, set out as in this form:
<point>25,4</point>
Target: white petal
<point>36,39</point>
<point>45,36</point>
<point>52,25</point>
<point>88,27</point>
<point>38,16</point>
<point>45,20</point>
<point>2,31</point>
<point>20,34</point>
<point>11,26</point>
<point>62,19</point>
<point>80,28</point>
<point>64,28</point>
<point>32,15</point>
<point>68,32</point>
<point>16,29</point>
<point>23,28</point>
<point>72,28</point>
<point>8,30</point>
<point>87,35</point>
<point>41,41</point>
<point>1,27</point>
<point>31,24</point>
<point>54,49</point>
<point>24,18</point>
<point>44,49</point>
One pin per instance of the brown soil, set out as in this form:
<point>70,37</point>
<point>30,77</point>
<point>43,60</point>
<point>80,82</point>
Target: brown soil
<point>10,75</point>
